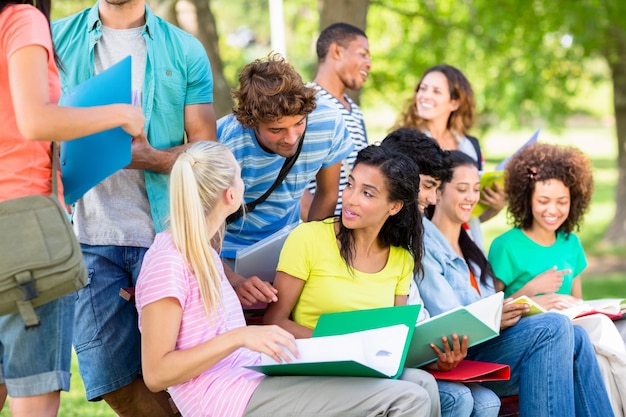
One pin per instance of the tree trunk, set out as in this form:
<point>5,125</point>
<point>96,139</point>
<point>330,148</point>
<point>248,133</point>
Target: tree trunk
<point>207,34</point>
<point>195,17</point>
<point>616,234</point>
<point>165,9</point>
<point>353,12</point>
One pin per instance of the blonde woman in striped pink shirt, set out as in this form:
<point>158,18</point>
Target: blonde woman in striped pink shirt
<point>194,339</point>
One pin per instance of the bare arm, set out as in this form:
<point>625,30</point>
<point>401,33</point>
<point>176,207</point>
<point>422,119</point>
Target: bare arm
<point>577,288</point>
<point>400,300</point>
<point>326,193</point>
<point>164,366</point>
<point>39,119</point>
<point>199,126</point>
<point>305,205</point>
<point>545,283</point>
<point>279,313</point>
<point>556,301</point>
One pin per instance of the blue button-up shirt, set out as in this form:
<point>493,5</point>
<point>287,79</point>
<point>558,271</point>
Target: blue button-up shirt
<point>177,74</point>
<point>446,282</point>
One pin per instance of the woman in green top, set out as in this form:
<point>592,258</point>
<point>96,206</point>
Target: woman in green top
<point>549,190</point>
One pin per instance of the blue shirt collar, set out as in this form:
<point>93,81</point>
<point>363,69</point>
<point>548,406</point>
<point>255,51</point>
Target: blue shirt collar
<point>93,21</point>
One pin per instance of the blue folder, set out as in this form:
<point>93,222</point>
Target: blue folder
<point>87,161</point>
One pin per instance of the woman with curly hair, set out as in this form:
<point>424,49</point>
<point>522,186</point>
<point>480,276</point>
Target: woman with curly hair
<point>549,190</point>
<point>443,107</point>
<point>553,367</point>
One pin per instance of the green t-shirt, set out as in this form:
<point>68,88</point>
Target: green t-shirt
<point>311,253</point>
<point>517,259</point>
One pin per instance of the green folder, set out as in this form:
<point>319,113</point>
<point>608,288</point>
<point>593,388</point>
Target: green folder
<point>480,321</point>
<point>343,323</point>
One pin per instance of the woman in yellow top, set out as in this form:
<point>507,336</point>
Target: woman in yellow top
<point>362,259</point>
<point>365,258</point>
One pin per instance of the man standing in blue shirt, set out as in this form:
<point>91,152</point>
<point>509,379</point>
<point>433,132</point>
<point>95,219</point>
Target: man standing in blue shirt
<point>116,221</point>
<point>275,115</point>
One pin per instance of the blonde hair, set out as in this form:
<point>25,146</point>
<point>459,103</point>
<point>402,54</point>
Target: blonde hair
<point>198,179</point>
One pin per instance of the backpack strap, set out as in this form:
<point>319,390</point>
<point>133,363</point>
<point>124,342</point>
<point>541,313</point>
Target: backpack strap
<point>476,146</point>
<point>284,170</point>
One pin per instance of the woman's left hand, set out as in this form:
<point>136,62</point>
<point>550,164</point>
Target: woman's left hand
<point>494,197</point>
<point>451,356</point>
<point>495,200</point>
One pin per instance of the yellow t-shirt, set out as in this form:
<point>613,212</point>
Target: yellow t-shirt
<point>311,253</point>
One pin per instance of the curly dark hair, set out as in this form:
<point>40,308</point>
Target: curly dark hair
<point>424,150</point>
<point>460,88</point>
<point>270,89</point>
<point>404,229</point>
<point>542,162</point>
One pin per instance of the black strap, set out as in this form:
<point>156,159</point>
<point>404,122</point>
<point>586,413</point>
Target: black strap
<point>289,162</point>
<point>479,154</point>
<point>55,169</point>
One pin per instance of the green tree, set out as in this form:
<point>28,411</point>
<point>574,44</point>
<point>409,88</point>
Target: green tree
<point>525,60</point>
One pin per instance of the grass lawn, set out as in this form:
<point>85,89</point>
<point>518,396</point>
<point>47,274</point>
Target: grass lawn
<point>597,141</point>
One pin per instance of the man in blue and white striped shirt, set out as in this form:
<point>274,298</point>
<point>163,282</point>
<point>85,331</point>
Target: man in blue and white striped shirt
<point>343,63</point>
<point>274,112</point>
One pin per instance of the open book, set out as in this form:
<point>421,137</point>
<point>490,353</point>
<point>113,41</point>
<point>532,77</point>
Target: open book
<point>372,353</point>
<point>480,321</point>
<point>371,343</point>
<point>612,307</point>
<point>489,178</point>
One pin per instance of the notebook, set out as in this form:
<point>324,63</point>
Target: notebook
<point>261,258</point>
<point>87,161</point>
<point>367,343</point>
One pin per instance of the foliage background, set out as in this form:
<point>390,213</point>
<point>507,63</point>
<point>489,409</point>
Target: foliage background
<point>532,64</point>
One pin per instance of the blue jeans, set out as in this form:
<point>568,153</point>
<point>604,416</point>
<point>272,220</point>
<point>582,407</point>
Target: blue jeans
<point>37,361</point>
<point>467,400</point>
<point>553,368</point>
<point>106,333</point>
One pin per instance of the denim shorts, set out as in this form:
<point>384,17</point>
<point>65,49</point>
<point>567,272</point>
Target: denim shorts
<point>106,334</point>
<point>37,361</point>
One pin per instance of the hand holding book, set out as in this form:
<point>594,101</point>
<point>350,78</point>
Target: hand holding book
<point>495,178</point>
<point>450,356</point>
<point>612,307</point>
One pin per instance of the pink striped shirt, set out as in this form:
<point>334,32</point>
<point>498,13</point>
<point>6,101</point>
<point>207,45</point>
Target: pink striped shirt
<point>224,389</point>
